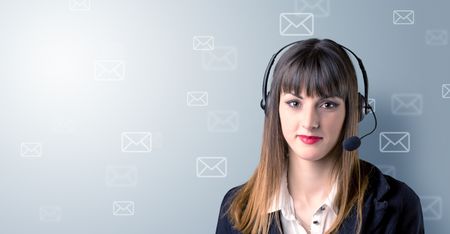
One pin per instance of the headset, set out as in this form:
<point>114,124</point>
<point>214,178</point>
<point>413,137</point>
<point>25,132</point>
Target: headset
<point>350,143</point>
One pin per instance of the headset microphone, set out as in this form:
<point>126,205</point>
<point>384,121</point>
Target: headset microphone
<point>354,142</point>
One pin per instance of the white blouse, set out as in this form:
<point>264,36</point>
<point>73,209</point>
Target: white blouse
<point>321,219</point>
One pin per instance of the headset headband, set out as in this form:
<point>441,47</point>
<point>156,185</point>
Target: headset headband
<point>272,60</point>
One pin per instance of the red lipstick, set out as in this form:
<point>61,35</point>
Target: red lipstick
<point>309,139</point>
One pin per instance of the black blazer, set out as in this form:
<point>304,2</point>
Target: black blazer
<point>390,206</point>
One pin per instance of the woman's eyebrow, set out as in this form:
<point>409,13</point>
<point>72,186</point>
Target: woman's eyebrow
<point>300,97</point>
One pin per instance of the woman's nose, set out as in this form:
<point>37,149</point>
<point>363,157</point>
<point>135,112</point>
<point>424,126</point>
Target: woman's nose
<point>310,118</point>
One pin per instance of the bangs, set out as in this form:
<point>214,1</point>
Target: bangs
<point>318,75</point>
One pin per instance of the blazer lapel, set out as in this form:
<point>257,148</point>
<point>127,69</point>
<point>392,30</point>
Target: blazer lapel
<point>273,225</point>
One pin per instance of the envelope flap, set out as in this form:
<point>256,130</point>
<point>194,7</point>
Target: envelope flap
<point>123,204</point>
<point>313,3</point>
<point>80,2</point>
<point>31,147</point>
<point>403,14</point>
<point>120,172</point>
<point>197,95</point>
<point>394,138</point>
<point>110,65</point>
<point>407,100</point>
<point>203,40</point>
<point>137,138</point>
<point>212,163</point>
<point>297,20</point>
<point>50,211</point>
<point>222,53</point>
<point>224,117</point>
<point>437,33</point>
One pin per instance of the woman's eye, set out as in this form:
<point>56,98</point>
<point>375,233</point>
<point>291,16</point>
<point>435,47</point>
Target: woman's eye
<point>329,105</point>
<point>292,103</point>
<point>326,105</point>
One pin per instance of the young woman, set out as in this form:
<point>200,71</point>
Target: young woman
<point>306,182</point>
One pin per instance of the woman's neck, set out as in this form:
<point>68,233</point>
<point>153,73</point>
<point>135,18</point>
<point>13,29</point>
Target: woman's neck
<point>309,182</point>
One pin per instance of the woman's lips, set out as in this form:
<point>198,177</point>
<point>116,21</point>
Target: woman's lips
<point>309,139</point>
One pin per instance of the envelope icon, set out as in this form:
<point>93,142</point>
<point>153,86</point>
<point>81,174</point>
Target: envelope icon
<point>406,104</point>
<point>436,37</point>
<point>31,149</point>
<point>109,70</point>
<point>203,43</point>
<point>136,142</point>
<point>121,176</point>
<point>123,208</point>
<point>431,207</point>
<point>394,142</point>
<point>64,126</point>
<point>220,59</point>
<point>296,24</point>
<point>403,17</point>
<point>50,213</point>
<point>80,5</point>
<point>209,167</point>
<point>223,121</point>
<point>446,91</point>
<point>320,8</point>
<point>197,98</point>
<point>388,170</point>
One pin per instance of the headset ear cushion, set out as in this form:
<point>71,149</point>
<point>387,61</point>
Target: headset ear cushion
<point>361,106</point>
<point>267,100</point>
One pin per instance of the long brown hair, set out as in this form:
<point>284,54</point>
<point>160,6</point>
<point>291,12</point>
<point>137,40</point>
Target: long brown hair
<point>322,68</point>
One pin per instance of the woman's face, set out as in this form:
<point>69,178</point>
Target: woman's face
<point>303,117</point>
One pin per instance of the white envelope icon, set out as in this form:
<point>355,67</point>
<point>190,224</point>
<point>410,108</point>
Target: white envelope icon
<point>220,59</point>
<point>296,24</point>
<point>80,5</point>
<point>121,176</point>
<point>394,142</point>
<point>197,98</point>
<point>50,213</point>
<point>388,170</point>
<point>406,104</point>
<point>109,70</point>
<point>123,208</point>
<point>208,167</point>
<point>436,37</point>
<point>403,17</point>
<point>445,90</point>
<point>63,126</point>
<point>31,149</point>
<point>136,142</point>
<point>320,8</point>
<point>223,121</point>
<point>203,43</point>
<point>431,207</point>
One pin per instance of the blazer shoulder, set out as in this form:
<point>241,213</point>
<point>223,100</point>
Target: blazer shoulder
<point>229,197</point>
<point>223,223</point>
<point>387,187</point>
<point>402,191</point>
<point>409,205</point>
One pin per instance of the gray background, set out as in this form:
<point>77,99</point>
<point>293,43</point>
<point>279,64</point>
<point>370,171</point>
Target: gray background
<point>49,94</point>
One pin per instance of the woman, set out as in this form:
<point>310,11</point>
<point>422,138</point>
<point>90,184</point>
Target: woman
<point>305,181</point>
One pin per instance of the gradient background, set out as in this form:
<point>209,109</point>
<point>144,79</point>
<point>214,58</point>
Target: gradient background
<point>50,95</point>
